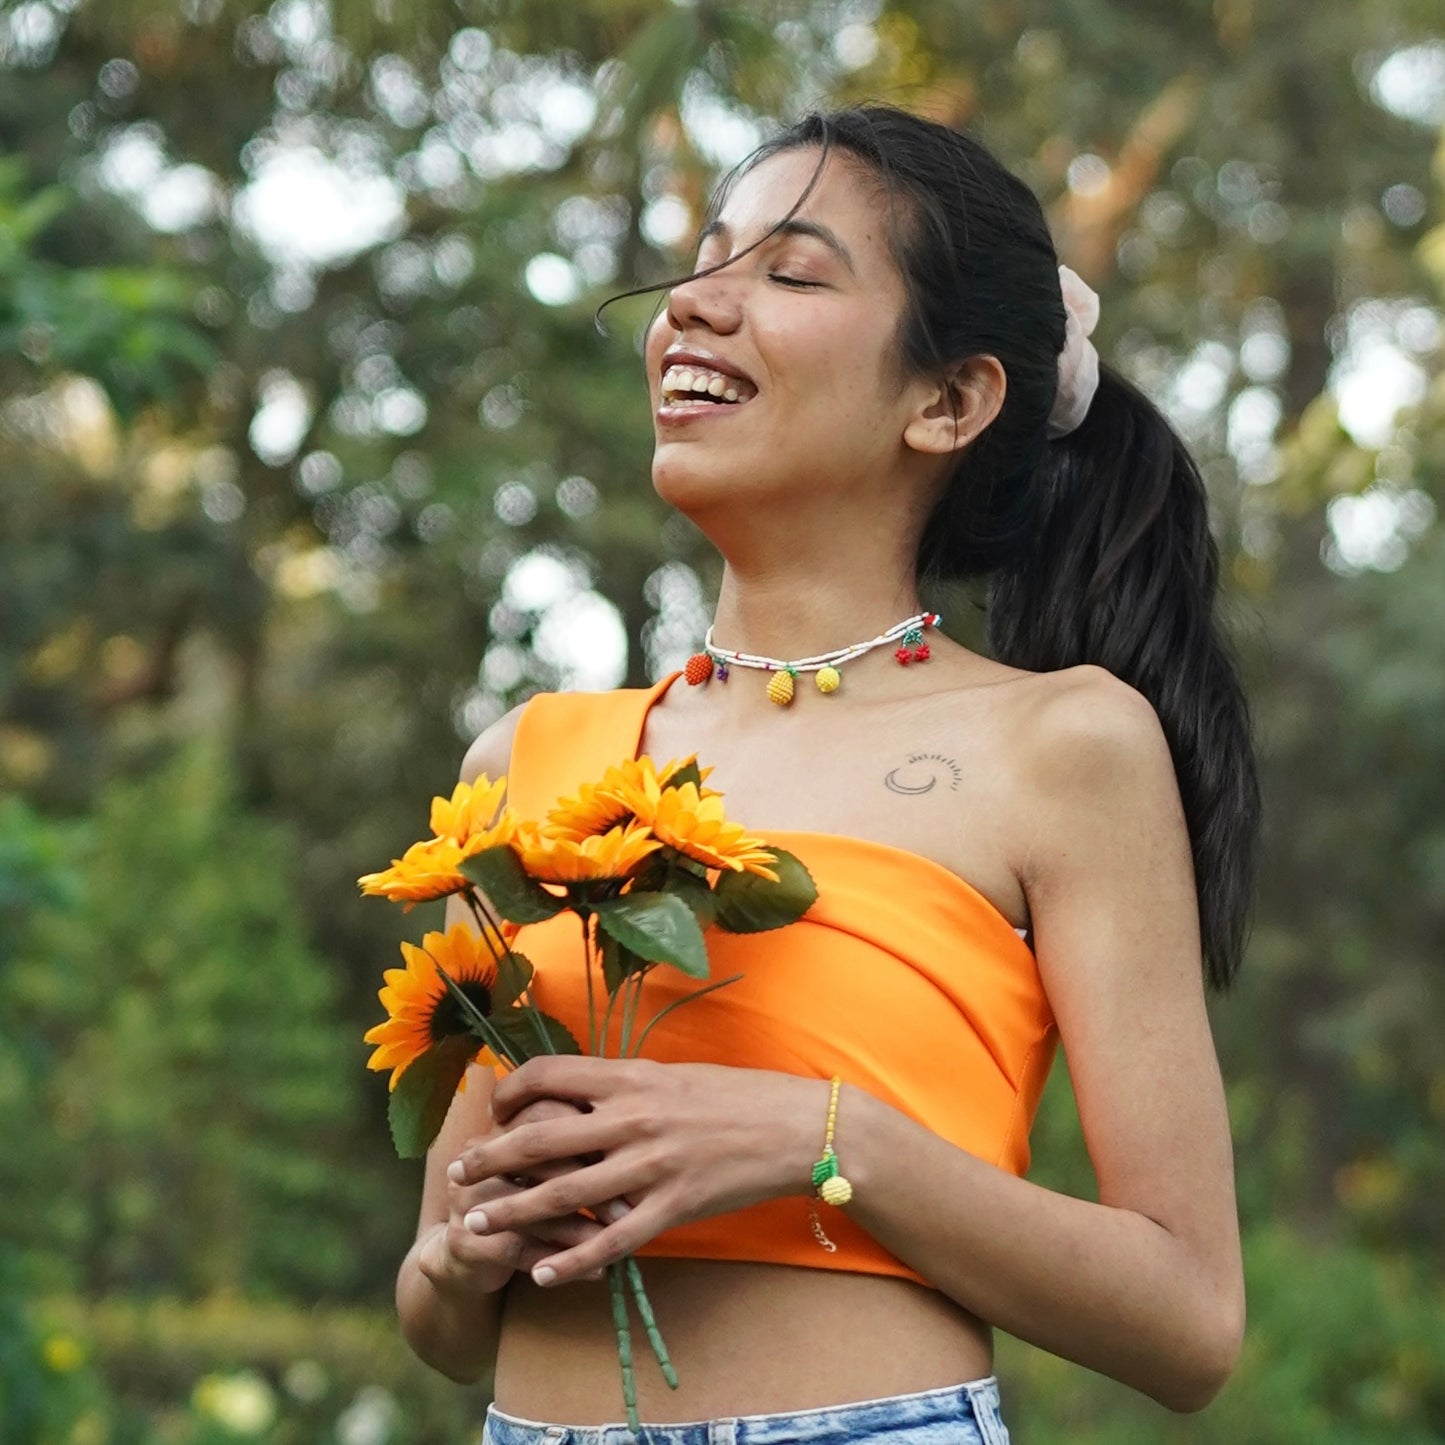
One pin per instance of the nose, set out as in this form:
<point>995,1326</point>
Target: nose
<point>709,301</point>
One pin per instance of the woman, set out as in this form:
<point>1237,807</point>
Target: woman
<point>1057,838</point>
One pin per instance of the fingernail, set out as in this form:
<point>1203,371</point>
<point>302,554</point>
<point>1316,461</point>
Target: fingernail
<point>615,1209</point>
<point>476,1221</point>
<point>544,1274</point>
<point>456,1171</point>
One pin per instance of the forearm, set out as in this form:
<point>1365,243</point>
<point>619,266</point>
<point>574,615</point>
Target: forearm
<point>1105,1287</point>
<point>453,1329</point>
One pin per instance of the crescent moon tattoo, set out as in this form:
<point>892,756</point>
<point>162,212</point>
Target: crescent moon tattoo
<point>923,778</point>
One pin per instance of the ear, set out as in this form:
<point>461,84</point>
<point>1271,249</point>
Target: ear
<point>952,410</point>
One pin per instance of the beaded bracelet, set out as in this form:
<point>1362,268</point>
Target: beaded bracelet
<point>828,1184</point>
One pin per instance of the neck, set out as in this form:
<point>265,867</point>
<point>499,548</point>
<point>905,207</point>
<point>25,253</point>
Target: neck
<point>789,615</point>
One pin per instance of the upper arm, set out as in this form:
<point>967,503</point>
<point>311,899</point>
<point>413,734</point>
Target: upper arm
<point>468,1117</point>
<point>1111,890</point>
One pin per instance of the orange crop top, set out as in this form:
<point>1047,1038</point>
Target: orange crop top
<point>901,977</point>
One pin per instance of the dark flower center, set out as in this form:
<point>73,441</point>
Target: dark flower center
<point>448,1019</point>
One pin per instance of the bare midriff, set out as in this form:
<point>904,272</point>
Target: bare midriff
<point>745,1339</point>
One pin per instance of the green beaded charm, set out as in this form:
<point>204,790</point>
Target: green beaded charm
<point>826,1168</point>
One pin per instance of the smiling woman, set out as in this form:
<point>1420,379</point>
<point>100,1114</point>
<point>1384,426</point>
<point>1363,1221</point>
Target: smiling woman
<point>877,376</point>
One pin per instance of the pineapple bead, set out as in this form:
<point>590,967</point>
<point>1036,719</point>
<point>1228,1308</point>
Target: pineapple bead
<point>780,688</point>
<point>836,1190</point>
<point>828,679</point>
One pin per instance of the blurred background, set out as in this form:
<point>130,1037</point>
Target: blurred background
<point>312,462</point>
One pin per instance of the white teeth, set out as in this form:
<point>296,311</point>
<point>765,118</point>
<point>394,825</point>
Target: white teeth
<point>679,381</point>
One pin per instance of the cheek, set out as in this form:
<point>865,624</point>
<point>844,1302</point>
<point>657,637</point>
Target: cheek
<point>658,336</point>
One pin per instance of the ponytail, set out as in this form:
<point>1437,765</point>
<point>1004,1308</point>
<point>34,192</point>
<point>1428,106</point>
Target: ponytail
<point>1121,570</point>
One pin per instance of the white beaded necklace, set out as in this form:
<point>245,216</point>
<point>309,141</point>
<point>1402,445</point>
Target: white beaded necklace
<point>716,661</point>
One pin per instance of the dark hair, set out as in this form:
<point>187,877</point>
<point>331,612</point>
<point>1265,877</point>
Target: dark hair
<point>1096,545</point>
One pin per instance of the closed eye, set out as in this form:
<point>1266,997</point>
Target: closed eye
<point>791,281</point>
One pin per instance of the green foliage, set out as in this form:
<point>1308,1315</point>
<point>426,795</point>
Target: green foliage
<point>128,327</point>
<point>658,927</point>
<point>747,903</point>
<point>48,1389</point>
<point>197,1084</point>
<point>295,1376</point>
<point>519,898</point>
<point>418,1104</point>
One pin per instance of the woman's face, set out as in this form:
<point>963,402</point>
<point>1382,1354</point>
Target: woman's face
<point>801,332</point>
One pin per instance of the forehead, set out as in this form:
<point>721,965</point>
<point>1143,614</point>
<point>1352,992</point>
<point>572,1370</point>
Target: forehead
<point>846,199</point>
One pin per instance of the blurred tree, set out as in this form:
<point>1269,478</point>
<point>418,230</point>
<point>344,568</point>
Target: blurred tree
<point>190,1128</point>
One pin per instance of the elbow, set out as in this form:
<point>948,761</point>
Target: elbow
<point>1204,1367</point>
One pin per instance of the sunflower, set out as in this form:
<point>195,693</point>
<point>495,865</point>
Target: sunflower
<point>420,1009</point>
<point>695,825</point>
<point>630,788</point>
<point>556,858</point>
<point>597,808</point>
<point>470,811</point>
<point>425,871</point>
<point>432,868</point>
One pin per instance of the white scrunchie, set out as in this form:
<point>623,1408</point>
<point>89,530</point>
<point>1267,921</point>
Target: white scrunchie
<point>1078,361</point>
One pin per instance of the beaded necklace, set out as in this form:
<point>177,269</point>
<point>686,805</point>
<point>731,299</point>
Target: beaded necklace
<point>715,661</point>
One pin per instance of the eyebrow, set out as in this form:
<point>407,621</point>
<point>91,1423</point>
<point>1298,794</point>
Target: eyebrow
<point>793,227</point>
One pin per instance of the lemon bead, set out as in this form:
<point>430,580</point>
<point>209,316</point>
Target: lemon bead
<point>836,1190</point>
<point>828,679</point>
<point>780,688</point>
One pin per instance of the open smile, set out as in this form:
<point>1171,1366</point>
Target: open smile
<point>694,385</point>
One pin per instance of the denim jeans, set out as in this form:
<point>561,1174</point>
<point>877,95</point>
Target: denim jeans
<point>966,1414</point>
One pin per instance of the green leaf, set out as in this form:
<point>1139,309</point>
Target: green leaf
<point>498,872</point>
<point>514,974</point>
<point>424,1093</point>
<point>523,1028</point>
<point>656,926</point>
<point>749,904</point>
<point>618,963</point>
<point>695,892</point>
<point>687,773</point>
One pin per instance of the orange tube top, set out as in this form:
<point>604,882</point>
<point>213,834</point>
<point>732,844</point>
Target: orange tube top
<point>901,977</point>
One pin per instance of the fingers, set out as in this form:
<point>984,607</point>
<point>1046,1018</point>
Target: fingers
<point>535,1149</point>
<point>456,1257</point>
<point>535,1251</point>
<point>576,1077</point>
<point>591,1187</point>
<point>588,1259</point>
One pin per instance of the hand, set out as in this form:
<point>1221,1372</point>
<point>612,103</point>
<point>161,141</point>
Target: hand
<point>455,1257</point>
<point>674,1142</point>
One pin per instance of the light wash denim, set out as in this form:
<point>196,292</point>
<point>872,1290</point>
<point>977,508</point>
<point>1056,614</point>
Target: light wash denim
<point>966,1414</point>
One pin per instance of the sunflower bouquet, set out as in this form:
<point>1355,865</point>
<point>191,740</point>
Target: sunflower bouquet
<point>647,860</point>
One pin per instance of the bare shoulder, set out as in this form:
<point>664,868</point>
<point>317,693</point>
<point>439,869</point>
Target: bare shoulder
<point>1084,728</point>
<point>491,751</point>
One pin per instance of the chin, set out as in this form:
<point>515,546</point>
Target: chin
<point>692,488</point>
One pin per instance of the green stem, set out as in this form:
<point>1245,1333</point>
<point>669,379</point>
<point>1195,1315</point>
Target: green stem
<point>587,964</point>
<point>677,1003</point>
<point>629,1008</point>
<point>607,1016</point>
<point>485,917</point>
<point>644,1308</point>
<point>615,1274</point>
<point>485,921</point>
